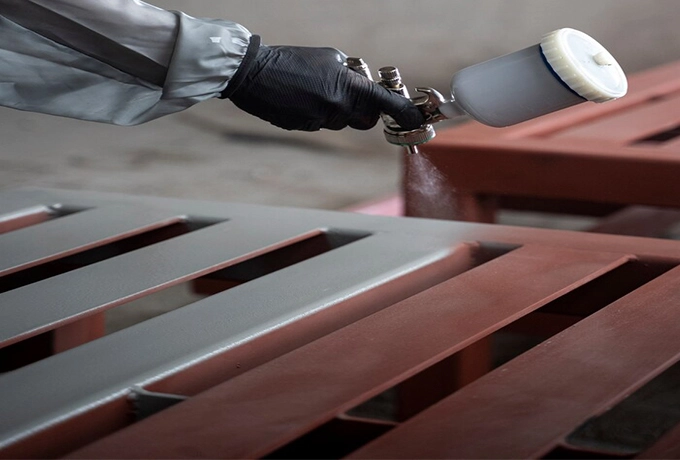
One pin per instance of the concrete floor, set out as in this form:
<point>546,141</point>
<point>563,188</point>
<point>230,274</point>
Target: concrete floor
<point>212,151</point>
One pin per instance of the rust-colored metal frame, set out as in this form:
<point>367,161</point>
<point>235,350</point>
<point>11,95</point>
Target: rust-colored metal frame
<point>281,357</point>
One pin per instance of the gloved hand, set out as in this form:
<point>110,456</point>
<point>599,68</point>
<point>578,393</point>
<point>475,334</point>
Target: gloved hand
<point>300,88</point>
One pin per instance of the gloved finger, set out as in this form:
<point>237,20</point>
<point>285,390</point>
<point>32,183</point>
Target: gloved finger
<point>404,112</point>
<point>364,119</point>
<point>335,123</point>
<point>364,123</point>
<point>361,118</point>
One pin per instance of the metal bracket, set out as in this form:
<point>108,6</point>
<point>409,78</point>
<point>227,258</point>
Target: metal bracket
<point>146,403</point>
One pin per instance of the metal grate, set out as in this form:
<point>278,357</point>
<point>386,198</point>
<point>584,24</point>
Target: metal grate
<point>321,312</point>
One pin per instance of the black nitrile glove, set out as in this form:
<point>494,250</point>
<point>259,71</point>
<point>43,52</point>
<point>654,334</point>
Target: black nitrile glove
<point>299,88</point>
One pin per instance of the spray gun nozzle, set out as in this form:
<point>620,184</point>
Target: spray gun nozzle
<point>428,104</point>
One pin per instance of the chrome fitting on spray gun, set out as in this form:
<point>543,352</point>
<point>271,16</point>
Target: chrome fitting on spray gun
<point>395,134</point>
<point>566,68</point>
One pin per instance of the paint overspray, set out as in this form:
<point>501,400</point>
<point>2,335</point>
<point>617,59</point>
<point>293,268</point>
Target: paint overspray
<point>427,191</point>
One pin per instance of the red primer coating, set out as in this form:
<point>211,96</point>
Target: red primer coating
<point>259,411</point>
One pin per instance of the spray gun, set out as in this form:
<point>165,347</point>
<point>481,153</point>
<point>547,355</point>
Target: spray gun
<point>566,68</point>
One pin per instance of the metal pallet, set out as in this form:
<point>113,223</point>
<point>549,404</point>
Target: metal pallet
<point>312,315</point>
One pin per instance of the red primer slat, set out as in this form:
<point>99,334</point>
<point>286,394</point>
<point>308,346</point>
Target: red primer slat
<point>671,146</point>
<point>523,409</point>
<point>263,409</point>
<point>629,125</point>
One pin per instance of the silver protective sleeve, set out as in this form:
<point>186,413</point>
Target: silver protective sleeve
<point>115,61</point>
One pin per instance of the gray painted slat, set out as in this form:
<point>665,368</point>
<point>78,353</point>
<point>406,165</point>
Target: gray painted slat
<point>16,201</point>
<point>43,305</point>
<point>76,232</point>
<point>446,230</point>
<point>40,394</point>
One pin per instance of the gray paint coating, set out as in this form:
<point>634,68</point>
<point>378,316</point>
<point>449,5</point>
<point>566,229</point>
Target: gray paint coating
<point>67,234</point>
<point>50,390</point>
<point>31,309</point>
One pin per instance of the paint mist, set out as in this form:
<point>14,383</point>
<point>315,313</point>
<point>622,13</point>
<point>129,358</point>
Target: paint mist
<point>427,190</point>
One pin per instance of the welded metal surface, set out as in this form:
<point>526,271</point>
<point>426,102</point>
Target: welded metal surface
<point>146,403</point>
<point>360,317</point>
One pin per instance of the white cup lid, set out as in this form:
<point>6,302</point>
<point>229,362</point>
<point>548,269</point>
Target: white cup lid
<point>584,65</point>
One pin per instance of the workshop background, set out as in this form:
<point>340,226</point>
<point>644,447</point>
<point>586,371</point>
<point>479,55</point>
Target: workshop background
<point>215,151</point>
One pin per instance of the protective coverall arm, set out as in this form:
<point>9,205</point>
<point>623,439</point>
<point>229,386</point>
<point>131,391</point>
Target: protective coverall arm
<point>127,62</point>
<point>115,61</point>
